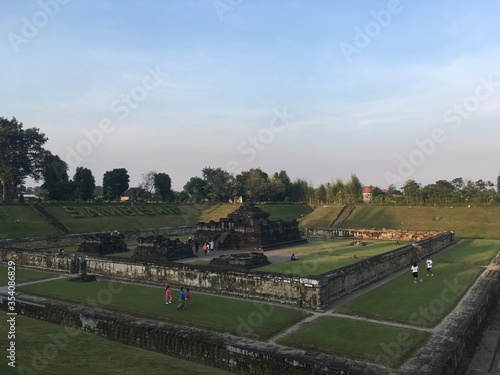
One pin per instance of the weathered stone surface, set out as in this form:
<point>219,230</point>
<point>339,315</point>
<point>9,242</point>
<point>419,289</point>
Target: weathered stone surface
<point>103,243</point>
<point>223,351</point>
<point>313,292</point>
<point>249,228</point>
<point>243,260</point>
<point>161,248</point>
<point>41,243</point>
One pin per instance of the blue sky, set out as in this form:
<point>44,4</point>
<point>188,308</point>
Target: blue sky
<point>387,90</point>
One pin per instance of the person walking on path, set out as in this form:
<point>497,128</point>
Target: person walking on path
<point>168,295</point>
<point>182,300</point>
<point>205,248</point>
<point>414,271</point>
<point>428,263</point>
<point>212,245</point>
<point>197,246</point>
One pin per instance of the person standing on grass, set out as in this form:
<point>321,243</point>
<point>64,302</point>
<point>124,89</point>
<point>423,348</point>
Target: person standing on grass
<point>428,262</point>
<point>182,300</point>
<point>414,271</point>
<point>168,295</point>
<point>188,297</point>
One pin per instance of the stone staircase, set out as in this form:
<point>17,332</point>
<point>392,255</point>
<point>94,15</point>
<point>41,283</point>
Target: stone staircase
<point>346,211</point>
<point>51,218</point>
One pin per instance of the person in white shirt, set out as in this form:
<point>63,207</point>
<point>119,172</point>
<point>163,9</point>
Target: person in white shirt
<point>428,262</point>
<point>414,271</point>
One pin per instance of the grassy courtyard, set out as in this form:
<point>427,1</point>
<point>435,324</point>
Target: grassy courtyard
<point>357,339</point>
<point>319,257</point>
<point>243,318</point>
<point>426,303</point>
<point>50,349</point>
<point>24,275</point>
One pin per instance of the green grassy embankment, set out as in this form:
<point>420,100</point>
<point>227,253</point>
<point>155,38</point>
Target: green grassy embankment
<point>21,220</point>
<point>466,222</point>
<point>322,216</point>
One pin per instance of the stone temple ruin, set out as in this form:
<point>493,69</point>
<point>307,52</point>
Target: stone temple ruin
<point>241,260</point>
<point>249,228</point>
<point>161,248</point>
<point>103,243</point>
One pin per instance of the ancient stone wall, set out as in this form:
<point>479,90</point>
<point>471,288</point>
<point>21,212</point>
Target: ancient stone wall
<point>441,355</point>
<point>344,280</point>
<point>223,351</point>
<point>369,234</point>
<point>40,243</point>
<point>313,292</point>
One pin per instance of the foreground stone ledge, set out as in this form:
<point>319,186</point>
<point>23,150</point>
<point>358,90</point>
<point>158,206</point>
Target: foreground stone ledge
<point>227,352</point>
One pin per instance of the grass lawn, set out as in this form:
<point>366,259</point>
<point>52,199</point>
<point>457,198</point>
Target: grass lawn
<point>321,216</point>
<point>286,212</point>
<point>323,256</point>
<point>357,339</point>
<point>20,220</point>
<point>242,318</point>
<point>50,349</point>
<point>426,303</point>
<point>24,275</point>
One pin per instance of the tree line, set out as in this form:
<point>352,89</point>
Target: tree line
<point>22,155</point>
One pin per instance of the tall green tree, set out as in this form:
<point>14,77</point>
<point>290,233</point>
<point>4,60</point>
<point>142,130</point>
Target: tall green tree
<point>354,189</point>
<point>115,183</point>
<point>55,177</point>
<point>163,187</point>
<point>195,188</point>
<point>412,191</point>
<point>219,184</point>
<point>21,156</point>
<point>85,183</point>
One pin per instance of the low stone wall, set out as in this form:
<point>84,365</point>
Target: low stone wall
<point>223,351</point>
<point>369,234</point>
<point>444,352</point>
<point>40,243</point>
<point>345,280</point>
<point>441,355</point>
<point>312,292</point>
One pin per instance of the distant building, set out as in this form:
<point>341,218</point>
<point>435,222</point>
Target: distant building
<point>369,190</point>
<point>29,197</point>
<point>130,194</point>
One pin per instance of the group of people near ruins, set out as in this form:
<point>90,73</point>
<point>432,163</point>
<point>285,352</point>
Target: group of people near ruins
<point>184,297</point>
<point>208,246</point>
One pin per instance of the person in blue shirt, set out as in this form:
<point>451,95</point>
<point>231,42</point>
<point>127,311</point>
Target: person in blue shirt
<point>182,300</point>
